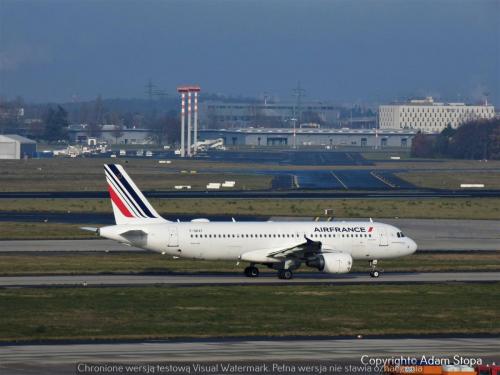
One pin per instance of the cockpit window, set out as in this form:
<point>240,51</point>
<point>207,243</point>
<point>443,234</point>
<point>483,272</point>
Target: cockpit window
<point>400,235</point>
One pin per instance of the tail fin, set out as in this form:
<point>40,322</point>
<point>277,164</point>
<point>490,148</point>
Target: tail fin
<point>130,206</point>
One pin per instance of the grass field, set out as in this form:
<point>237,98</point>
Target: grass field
<point>452,180</point>
<point>12,264</point>
<point>34,231</point>
<point>88,175</point>
<point>165,312</point>
<point>441,208</point>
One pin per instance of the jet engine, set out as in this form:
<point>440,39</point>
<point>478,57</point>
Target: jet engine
<point>332,262</point>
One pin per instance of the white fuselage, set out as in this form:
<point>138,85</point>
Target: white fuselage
<point>232,240</point>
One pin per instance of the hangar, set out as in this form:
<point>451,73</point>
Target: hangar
<point>370,138</point>
<point>14,146</point>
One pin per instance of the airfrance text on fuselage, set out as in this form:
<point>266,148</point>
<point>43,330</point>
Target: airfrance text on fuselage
<point>343,229</point>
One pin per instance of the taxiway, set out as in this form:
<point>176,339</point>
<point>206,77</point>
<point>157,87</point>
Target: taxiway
<point>233,279</point>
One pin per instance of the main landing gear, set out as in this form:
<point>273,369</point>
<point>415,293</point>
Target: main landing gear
<point>285,274</point>
<point>374,272</point>
<point>251,271</point>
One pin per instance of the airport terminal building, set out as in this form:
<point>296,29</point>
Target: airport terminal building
<point>428,115</point>
<point>369,138</point>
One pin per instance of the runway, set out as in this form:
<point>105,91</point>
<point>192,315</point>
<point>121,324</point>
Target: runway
<point>232,279</point>
<point>63,358</point>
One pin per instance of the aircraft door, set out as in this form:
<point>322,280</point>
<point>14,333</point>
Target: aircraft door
<point>383,237</point>
<point>173,239</point>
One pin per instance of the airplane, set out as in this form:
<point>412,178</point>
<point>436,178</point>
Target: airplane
<point>329,247</point>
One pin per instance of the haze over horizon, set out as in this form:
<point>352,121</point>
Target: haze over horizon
<point>344,51</point>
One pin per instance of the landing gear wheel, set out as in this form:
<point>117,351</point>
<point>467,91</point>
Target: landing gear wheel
<point>285,274</point>
<point>374,272</point>
<point>251,271</point>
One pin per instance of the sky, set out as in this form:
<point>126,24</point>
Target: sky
<point>347,51</point>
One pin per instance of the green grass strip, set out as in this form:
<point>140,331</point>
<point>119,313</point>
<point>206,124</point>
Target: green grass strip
<point>169,312</point>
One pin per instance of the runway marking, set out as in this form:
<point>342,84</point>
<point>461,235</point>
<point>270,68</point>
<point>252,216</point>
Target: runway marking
<point>339,180</point>
<point>382,180</point>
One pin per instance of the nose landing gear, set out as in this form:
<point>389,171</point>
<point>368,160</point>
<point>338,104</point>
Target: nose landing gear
<point>374,272</point>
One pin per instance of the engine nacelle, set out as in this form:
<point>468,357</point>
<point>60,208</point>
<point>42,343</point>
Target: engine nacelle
<point>332,262</point>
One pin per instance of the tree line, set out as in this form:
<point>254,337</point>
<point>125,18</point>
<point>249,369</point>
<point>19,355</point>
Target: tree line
<point>478,139</point>
<point>163,128</point>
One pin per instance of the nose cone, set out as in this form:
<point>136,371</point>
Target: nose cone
<point>412,246</point>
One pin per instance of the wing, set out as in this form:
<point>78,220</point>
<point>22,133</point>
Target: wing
<point>303,249</point>
<point>307,248</point>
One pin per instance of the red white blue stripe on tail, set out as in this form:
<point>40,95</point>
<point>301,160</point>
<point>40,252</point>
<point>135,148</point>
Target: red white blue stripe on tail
<point>129,204</point>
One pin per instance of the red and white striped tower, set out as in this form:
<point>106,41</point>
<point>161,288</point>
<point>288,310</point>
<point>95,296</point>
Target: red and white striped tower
<point>183,90</point>
<point>195,122</point>
<point>183,111</point>
<point>189,126</point>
